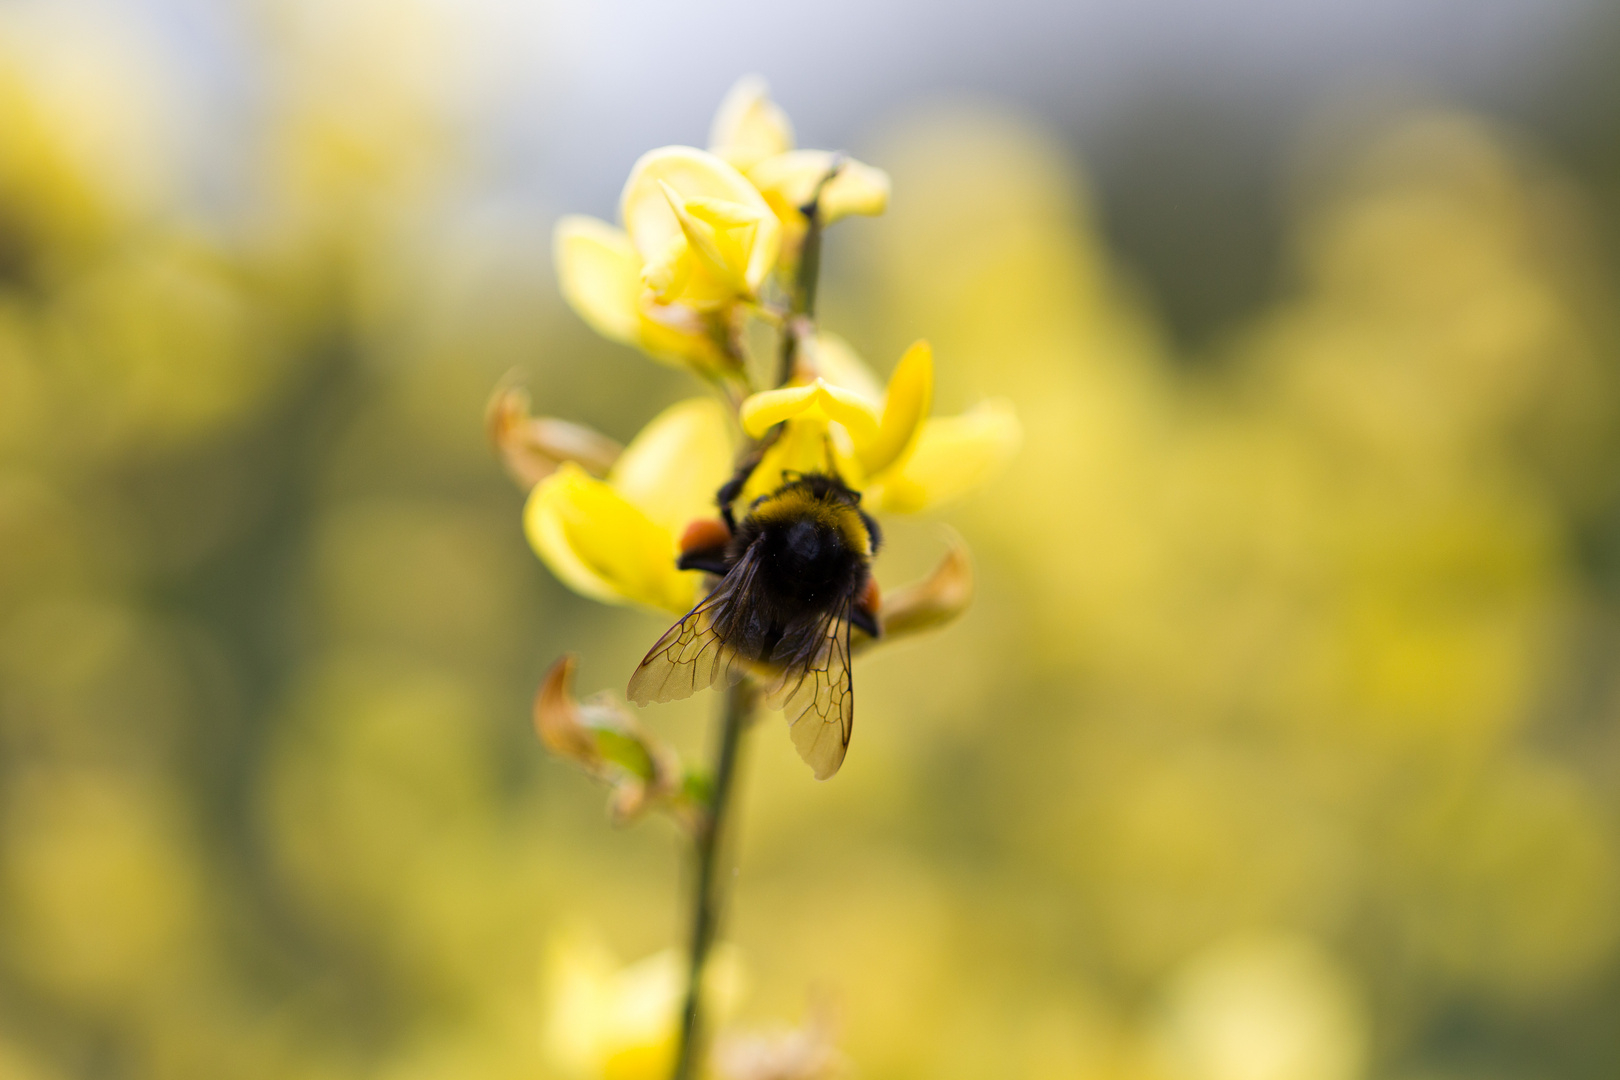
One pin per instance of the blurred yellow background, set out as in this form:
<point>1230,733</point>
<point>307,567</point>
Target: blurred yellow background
<point>1280,743</point>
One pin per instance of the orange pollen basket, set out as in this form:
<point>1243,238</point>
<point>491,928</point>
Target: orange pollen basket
<point>871,598</point>
<point>704,534</point>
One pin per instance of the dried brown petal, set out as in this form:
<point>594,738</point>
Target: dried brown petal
<point>604,739</point>
<point>557,718</point>
<point>533,446</point>
<point>930,603</point>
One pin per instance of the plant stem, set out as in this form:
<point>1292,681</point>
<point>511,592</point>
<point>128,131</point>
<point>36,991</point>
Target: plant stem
<point>800,320</point>
<point>708,888</point>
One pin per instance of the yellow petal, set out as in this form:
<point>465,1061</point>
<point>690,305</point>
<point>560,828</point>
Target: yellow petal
<point>579,981</point>
<point>599,271</point>
<point>667,272</point>
<point>749,127</point>
<point>819,400</point>
<point>694,174</point>
<point>831,357</point>
<point>601,275</point>
<point>803,448</point>
<point>789,180</point>
<point>676,335</point>
<point>601,546</point>
<point>952,457</point>
<point>638,1038</point>
<point>911,394</point>
<point>672,470</point>
<point>857,189</point>
<point>722,213</point>
<point>719,252</point>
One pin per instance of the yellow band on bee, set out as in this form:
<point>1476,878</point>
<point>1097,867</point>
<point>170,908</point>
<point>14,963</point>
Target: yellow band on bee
<point>796,503</point>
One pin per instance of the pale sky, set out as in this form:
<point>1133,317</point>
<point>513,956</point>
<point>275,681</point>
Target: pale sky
<point>566,94</point>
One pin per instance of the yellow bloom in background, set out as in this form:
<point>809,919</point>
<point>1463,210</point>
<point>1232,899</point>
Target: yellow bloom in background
<point>1262,1008</point>
<point>616,540</point>
<point>617,1022</point>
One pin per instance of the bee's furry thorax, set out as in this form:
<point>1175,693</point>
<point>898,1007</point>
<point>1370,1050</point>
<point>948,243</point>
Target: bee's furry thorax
<point>811,542</point>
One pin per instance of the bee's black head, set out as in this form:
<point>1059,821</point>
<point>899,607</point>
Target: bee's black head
<point>820,486</point>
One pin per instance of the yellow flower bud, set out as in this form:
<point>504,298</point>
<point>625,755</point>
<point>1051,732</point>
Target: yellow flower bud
<point>749,127</point>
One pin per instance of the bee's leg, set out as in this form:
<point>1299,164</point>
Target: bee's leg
<point>727,495</point>
<point>865,621</point>
<point>732,489</point>
<point>709,560</point>
<point>704,545</point>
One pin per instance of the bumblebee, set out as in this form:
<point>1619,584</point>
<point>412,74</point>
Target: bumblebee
<point>795,576</point>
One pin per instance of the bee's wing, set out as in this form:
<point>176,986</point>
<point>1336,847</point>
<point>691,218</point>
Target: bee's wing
<point>691,655</point>
<point>815,691</point>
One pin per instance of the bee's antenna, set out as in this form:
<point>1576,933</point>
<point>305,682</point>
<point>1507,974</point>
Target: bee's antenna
<point>731,490</point>
<point>832,461</point>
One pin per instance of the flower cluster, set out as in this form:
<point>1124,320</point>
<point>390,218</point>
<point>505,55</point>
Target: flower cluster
<point>703,232</point>
<point>712,241</point>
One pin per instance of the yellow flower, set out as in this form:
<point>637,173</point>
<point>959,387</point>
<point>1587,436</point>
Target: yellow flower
<point>697,237</point>
<point>703,230</point>
<point>616,540</point>
<point>599,271</point>
<point>619,1023</point>
<point>754,135</point>
<point>900,458</point>
<point>705,235</point>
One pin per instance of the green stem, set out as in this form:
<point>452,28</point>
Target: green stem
<point>800,321</point>
<point>708,895</point>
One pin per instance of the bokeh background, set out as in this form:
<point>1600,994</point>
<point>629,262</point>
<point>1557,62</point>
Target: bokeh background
<point>1281,743</point>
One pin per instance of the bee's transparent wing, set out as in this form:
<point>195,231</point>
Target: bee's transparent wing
<point>691,656</point>
<point>815,691</point>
